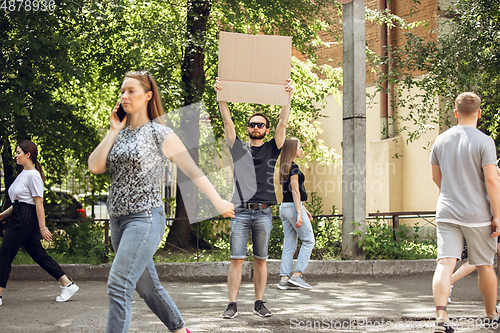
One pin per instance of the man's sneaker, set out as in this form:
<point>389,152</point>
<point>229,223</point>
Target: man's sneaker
<point>449,296</point>
<point>299,282</point>
<point>231,311</point>
<point>261,310</point>
<point>287,286</point>
<point>67,292</point>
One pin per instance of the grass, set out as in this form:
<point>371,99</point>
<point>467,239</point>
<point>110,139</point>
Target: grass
<point>191,256</point>
<point>23,258</point>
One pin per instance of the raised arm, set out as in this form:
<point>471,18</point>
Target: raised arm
<point>175,150</point>
<point>280,135</point>
<point>226,117</point>
<point>493,190</point>
<point>97,160</point>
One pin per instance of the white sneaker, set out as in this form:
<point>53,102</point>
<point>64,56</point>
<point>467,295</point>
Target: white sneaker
<point>1,300</point>
<point>67,292</point>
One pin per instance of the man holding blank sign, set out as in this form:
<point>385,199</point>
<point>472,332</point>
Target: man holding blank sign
<point>253,197</point>
<point>253,69</point>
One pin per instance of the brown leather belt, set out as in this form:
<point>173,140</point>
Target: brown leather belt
<point>255,205</point>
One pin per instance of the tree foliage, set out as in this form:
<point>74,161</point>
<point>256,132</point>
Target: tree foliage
<point>35,65</point>
<point>463,57</point>
<point>60,71</point>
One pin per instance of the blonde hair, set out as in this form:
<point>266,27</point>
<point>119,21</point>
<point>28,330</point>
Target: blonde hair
<point>155,106</point>
<point>467,103</point>
<point>288,154</point>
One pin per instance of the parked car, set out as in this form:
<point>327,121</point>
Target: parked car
<point>58,205</point>
<point>97,202</point>
<point>61,205</point>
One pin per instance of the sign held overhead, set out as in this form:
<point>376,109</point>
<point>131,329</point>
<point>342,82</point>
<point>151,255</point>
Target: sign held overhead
<point>254,68</point>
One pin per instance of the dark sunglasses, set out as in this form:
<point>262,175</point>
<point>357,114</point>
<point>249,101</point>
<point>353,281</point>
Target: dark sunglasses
<point>259,125</point>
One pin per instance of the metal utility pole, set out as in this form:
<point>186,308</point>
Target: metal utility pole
<point>354,128</point>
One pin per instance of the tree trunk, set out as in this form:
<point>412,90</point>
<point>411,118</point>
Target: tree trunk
<point>8,170</point>
<point>8,176</point>
<point>193,82</point>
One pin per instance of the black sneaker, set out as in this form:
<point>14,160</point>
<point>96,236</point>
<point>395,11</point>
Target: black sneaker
<point>261,310</point>
<point>231,311</point>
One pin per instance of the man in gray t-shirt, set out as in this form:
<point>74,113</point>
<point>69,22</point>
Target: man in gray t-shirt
<point>464,168</point>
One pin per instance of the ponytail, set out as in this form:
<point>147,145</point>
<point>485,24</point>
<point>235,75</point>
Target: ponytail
<point>38,168</point>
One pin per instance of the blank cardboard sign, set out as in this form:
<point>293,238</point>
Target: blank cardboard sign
<point>254,68</point>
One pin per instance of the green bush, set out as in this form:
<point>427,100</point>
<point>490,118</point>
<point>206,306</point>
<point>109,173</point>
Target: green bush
<point>327,232</point>
<point>77,243</point>
<point>82,239</point>
<point>379,242</point>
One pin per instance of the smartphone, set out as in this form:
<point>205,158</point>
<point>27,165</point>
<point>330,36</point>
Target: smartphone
<point>120,113</point>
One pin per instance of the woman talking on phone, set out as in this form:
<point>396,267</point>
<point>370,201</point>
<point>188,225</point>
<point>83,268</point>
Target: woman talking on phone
<point>28,222</point>
<point>295,217</point>
<point>136,155</point>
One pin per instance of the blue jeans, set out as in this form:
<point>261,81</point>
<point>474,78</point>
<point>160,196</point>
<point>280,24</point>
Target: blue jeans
<point>135,239</point>
<point>260,221</point>
<point>288,215</point>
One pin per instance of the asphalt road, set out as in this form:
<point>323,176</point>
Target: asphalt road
<point>372,304</point>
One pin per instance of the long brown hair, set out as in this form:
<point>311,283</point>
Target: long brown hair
<point>155,106</point>
<point>288,154</point>
<point>28,146</point>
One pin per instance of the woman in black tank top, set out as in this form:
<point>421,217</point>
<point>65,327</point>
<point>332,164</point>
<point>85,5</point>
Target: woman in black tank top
<point>295,217</point>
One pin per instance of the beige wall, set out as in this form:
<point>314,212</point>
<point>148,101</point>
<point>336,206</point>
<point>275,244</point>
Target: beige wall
<point>393,184</point>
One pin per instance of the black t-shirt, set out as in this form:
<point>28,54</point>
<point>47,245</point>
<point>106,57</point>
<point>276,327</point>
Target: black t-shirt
<point>254,172</point>
<point>287,185</point>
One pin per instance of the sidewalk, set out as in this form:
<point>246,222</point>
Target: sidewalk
<point>217,271</point>
<point>335,304</point>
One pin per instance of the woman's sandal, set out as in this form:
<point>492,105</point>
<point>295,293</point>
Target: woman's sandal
<point>493,320</point>
<point>443,326</point>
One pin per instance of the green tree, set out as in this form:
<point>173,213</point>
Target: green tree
<point>300,19</point>
<point>35,65</point>
<point>464,59</point>
<point>61,70</point>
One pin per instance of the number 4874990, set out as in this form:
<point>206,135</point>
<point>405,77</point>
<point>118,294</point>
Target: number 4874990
<point>28,5</point>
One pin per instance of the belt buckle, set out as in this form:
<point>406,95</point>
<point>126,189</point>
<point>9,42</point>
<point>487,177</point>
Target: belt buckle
<point>254,206</point>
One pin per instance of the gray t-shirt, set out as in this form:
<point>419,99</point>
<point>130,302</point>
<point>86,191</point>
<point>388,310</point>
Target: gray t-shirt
<point>461,152</point>
<point>136,163</point>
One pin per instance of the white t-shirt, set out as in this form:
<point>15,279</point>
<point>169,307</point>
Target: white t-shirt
<point>28,184</point>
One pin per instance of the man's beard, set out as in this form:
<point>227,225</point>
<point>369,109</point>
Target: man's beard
<point>256,135</point>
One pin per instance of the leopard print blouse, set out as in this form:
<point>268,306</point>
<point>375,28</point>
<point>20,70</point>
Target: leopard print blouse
<point>136,163</point>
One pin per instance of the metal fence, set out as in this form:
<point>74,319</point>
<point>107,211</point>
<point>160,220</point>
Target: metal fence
<point>394,217</point>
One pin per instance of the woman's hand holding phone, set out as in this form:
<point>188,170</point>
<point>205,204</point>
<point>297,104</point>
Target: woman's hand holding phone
<point>114,120</point>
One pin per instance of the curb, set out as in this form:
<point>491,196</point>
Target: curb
<point>217,271</point>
